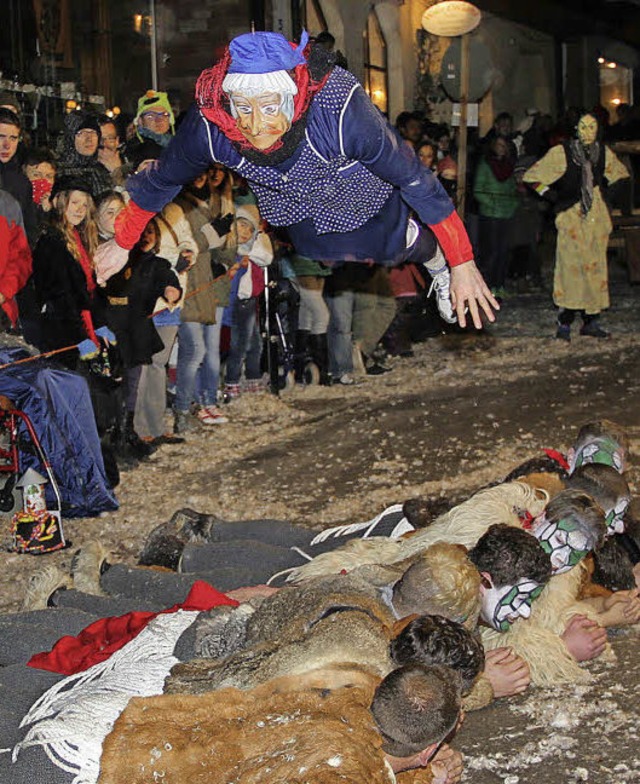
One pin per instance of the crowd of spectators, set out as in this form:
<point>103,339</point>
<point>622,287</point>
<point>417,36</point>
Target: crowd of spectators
<point>505,218</point>
<point>189,306</point>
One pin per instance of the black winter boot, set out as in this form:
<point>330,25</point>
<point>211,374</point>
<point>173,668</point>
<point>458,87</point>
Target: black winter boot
<point>138,447</point>
<point>320,354</point>
<point>301,353</point>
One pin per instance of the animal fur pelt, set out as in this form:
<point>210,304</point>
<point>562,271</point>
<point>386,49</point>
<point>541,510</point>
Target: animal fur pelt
<point>270,735</point>
<point>615,560</point>
<point>464,524</point>
<point>301,630</point>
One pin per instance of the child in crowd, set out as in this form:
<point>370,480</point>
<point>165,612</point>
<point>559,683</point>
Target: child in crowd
<point>253,254</point>
<point>131,296</point>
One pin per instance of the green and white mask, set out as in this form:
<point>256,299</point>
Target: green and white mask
<point>564,542</point>
<point>606,451</point>
<point>614,517</point>
<point>504,605</point>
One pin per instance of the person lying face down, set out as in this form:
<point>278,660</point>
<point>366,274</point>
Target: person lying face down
<point>290,732</point>
<point>600,441</point>
<point>514,569</point>
<point>570,527</point>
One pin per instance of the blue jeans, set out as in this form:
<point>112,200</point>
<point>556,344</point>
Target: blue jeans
<point>339,334</point>
<point>246,343</point>
<point>198,345</point>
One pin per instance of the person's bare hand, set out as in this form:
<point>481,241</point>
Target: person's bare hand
<point>171,294</point>
<point>251,592</point>
<point>446,765</point>
<point>507,672</point>
<point>636,574</point>
<point>585,639</point>
<point>622,608</point>
<point>108,259</point>
<point>468,289</point>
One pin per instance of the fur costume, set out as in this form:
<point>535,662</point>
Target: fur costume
<point>296,631</point>
<point>464,524</point>
<point>270,735</point>
<point>538,639</point>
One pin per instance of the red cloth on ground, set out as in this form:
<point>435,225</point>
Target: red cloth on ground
<point>105,636</point>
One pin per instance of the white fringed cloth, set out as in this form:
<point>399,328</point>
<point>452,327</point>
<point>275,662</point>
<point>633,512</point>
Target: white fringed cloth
<point>72,719</point>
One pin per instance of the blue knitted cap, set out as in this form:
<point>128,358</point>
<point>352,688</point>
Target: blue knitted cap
<point>258,53</point>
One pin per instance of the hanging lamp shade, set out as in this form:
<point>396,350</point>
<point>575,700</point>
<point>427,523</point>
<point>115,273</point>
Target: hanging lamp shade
<point>450,18</point>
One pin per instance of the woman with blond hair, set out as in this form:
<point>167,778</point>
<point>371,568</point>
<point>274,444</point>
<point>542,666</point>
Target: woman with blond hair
<point>64,276</point>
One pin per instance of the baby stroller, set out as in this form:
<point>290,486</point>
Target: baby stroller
<point>287,362</point>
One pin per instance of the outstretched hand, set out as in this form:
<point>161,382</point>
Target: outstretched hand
<point>468,290</point>
<point>585,639</point>
<point>109,258</point>
<point>507,672</point>
<point>447,766</point>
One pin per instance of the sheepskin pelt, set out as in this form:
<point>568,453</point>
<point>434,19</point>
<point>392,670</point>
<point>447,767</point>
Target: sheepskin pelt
<point>480,696</point>
<point>464,524</point>
<point>538,639</point>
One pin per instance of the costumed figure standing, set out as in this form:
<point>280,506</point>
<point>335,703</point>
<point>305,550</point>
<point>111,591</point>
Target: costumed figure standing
<point>577,170</point>
<point>322,161</point>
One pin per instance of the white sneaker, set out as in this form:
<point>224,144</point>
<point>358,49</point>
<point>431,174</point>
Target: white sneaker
<point>441,284</point>
<point>211,415</point>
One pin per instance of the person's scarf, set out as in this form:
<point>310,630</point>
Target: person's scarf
<point>502,168</point>
<point>161,139</point>
<point>85,262</point>
<point>585,158</point>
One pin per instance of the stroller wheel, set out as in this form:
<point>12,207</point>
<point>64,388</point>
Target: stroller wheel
<point>311,373</point>
<point>287,380</point>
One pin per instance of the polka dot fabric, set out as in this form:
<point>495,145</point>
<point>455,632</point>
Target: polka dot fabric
<point>337,194</point>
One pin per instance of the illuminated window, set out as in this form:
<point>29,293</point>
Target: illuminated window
<point>375,63</point>
<point>616,85</point>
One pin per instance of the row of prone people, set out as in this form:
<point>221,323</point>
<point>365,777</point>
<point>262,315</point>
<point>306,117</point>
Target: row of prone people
<point>349,654</point>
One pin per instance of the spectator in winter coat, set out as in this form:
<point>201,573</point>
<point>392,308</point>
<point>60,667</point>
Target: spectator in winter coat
<point>15,257</point>
<point>79,156</point>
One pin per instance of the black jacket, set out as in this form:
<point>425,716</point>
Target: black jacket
<point>130,297</point>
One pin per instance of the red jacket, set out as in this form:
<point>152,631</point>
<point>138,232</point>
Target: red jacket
<point>15,254</point>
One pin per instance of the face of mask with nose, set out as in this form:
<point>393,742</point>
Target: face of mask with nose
<point>502,606</point>
<point>260,118</point>
<point>563,541</point>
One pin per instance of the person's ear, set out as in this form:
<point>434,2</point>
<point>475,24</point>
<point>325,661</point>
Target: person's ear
<point>486,582</point>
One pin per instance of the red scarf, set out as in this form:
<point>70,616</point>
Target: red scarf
<point>85,262</point>
<point>211,98</point>
<point>502,168</point>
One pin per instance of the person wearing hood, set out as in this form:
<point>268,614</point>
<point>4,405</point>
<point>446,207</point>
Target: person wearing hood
<point>253,253</point>
<point>154,123</point>
<point>79,157</point>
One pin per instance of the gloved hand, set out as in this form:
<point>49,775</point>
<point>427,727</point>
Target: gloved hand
<point>106,334</point>
<point>88,349</point>
<point>222,224</point>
